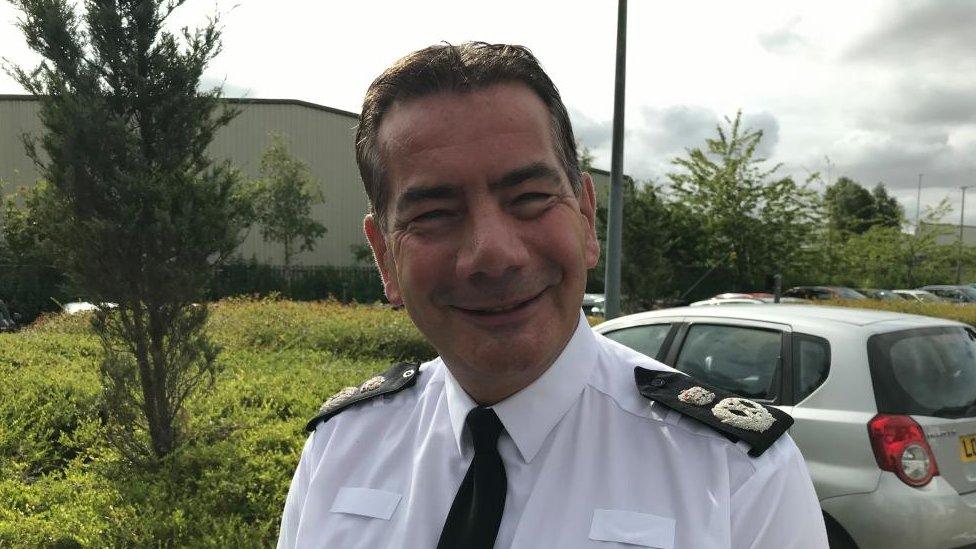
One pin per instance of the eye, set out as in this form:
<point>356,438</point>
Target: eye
<point>531,197</point>
<point>432,215</point>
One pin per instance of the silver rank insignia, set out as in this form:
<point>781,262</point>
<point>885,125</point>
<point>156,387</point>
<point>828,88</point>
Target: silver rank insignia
<point>699,396</point>
<point>371,384</point>
<point>744,414</point>
<point>339,398</point>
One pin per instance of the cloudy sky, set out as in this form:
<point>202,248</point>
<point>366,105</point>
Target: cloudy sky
<point>884,89</point>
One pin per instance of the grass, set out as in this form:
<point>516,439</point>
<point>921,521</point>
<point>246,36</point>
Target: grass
<point>951,311</point>
<point>63,485</point>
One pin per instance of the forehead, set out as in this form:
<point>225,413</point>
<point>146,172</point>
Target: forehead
<point>450,134</point>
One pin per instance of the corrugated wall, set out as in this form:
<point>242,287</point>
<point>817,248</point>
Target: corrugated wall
<point>323,140</point>
<point>17,116</point>
<point>321,137</point>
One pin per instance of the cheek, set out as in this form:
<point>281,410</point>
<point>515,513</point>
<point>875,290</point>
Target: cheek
<point>422,265</point>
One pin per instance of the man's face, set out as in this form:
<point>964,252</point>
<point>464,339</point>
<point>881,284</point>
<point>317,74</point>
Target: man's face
<point>486,245</point>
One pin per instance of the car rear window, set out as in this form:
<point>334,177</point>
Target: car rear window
<point>811,360</point>
<point>742,360</point>
<point>646,339</point>
<point>925,371</point>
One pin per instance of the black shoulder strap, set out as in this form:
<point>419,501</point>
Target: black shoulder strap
<point>397,378</point>
<point>736,418</point>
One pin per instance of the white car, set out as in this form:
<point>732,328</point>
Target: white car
<point>76,307</point>
<point>918,295</point>
<point>884,403</point>
<point>727,301</point>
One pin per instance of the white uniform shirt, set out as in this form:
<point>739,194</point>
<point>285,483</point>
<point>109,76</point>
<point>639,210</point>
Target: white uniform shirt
<point>590,463</point>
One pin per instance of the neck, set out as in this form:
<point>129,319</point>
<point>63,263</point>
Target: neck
<point>491,391</point>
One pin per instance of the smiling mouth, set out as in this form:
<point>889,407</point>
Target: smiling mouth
<point>487,311</point>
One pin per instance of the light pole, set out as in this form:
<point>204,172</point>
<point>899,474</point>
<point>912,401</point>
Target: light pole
<point>615,208</point>
<point>962,213</point>
<point>918,231</point>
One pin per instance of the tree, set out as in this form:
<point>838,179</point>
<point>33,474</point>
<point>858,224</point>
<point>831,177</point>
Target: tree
<point>853,209</point>
<point>137,212</point>
<point>887,211</point>
<point>653,240</point>
<point>757,226</point>
<point>585,157</point>
<point>850,207</point>
<point>29,282</point>
<point>283,200</point>
<point>888,257</point>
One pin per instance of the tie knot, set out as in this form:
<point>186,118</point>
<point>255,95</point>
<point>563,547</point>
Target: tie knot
<point>485,428</point>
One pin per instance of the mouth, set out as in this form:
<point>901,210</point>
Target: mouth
<point>501,310</point>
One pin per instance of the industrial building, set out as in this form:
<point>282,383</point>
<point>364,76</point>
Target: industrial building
<point>320,136</point>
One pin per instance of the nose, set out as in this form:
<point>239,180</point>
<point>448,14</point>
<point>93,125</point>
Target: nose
<point>493,245</point>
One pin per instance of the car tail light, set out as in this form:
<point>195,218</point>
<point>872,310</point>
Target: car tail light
<point>900,447</point>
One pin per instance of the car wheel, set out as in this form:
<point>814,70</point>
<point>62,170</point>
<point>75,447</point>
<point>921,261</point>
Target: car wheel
<point>837,537</point>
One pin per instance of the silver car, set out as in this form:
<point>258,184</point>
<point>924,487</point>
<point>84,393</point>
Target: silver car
<point>885,406</point>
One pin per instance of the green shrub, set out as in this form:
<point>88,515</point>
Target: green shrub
<point>951,311</point>
<point>63,485</point>
<point>346,284</point>
<point>352,331</point>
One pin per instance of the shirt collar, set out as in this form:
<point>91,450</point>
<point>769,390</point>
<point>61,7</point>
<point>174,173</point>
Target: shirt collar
<point>530,414</point>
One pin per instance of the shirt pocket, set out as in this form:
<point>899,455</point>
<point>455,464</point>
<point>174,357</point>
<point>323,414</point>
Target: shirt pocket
<point>365,502</point>
<point>629,527</point>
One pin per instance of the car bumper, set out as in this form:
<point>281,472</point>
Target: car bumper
<point>898,516</point>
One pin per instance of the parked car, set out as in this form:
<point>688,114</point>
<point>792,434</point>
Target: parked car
<point>8,322</point>
<point>739,299</point>
<point>884,403</point>
<point>882,295</point>
<point>727,301</point>
<point>594,304</point>
<point>956,294</point>
<point>76,307</point>
<point>823,292</point>
<point>919,295</point>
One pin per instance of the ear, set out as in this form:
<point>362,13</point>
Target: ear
<point>384,259</point>
<point>587,202</point>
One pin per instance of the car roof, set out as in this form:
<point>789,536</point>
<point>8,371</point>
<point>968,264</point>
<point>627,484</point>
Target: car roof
<point>794,315</point>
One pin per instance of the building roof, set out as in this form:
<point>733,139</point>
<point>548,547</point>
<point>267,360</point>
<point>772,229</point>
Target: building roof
<point>241,100</point>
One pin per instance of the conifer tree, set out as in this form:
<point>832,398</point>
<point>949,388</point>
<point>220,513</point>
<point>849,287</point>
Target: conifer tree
<point>136,211</point>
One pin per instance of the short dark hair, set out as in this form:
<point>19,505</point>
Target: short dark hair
<point>458,68</point>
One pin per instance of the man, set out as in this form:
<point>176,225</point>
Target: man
<point>529,430</point>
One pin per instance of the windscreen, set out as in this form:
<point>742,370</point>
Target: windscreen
<point>925,371</point>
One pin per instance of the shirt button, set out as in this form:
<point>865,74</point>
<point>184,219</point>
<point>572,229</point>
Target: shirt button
<point>658,382</point>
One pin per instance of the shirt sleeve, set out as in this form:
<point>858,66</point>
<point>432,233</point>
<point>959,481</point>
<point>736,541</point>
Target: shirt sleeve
<point>295,502</point>
<point>777,507</point>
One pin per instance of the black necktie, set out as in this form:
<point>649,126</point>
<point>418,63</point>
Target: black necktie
<point>479,503</point>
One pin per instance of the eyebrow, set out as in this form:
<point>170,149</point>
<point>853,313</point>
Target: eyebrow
<point>419,194</point>
<point>536,170</point>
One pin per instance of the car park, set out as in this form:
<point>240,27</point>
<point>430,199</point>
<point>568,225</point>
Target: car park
<point>953,293</point>
<point>823,292</point>
<point>883,403</point>
<point>919,295</point>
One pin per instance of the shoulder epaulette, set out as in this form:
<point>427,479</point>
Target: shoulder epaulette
<point>397,378</point>
<point>735,418</point>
